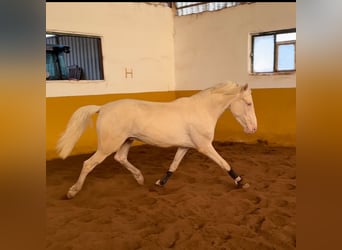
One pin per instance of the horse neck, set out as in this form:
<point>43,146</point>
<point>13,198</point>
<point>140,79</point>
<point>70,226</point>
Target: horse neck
<point>215,104</point>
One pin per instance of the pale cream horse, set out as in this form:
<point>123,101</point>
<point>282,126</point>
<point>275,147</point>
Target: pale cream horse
<point>187,122</point>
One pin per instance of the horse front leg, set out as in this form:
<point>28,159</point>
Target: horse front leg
<point>212,154</point>
<point>173,167</point>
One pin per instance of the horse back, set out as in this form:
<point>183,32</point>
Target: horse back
<point>156,123</point>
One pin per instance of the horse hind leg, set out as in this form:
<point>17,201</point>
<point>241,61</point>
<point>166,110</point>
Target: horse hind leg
<point>121,157</point>
<point>88,166</point>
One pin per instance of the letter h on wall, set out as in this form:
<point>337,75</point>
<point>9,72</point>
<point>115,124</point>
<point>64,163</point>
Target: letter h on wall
<point>128,72</point>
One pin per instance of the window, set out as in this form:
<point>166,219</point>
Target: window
<point>187,8</point>
<point>274,51</point>
<point>73,57</point>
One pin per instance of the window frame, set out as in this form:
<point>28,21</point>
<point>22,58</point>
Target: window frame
<point>277,55</point>
<point>275,52</point>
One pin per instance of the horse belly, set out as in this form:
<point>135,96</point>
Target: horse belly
<point>164,141</point>
<point>163,134</point>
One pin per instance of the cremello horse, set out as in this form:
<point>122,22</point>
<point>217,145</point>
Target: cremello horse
<point>187,122</point>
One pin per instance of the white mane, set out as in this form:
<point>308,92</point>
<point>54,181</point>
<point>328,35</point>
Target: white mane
<point>226,88</point>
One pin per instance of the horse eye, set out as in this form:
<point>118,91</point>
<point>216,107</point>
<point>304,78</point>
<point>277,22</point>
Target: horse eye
<point>249,104</point>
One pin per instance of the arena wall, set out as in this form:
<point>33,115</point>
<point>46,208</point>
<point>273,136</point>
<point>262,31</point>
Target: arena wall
<point>172,57</point>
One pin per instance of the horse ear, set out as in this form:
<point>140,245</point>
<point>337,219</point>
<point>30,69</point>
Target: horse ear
<point>244,87</point>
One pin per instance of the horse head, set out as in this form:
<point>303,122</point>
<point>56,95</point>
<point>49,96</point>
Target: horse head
<point>242,108</point>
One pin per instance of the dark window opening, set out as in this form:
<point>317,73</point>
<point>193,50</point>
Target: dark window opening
<point>82,62</point>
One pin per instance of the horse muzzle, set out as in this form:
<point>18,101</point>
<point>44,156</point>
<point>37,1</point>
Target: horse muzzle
<point>251,130</point>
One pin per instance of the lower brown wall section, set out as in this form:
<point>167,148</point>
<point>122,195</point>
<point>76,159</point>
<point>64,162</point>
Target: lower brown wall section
<point>275,111</point>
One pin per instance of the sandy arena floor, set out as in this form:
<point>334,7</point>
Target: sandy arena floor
<point>199,208</point>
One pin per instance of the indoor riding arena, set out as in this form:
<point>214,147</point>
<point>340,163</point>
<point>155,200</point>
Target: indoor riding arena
<point>235,185</point>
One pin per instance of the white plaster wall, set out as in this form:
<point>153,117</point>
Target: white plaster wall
<point>138,36</point>
<point>166,52</point>
<point>214,46</point>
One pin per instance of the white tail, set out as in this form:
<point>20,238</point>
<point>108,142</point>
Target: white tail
<point>75,128</point>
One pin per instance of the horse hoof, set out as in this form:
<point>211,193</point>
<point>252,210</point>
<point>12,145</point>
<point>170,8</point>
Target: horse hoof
<point>70,195</point>
<point>158,183</point>
<point>140,180</point>
<point>243,185</point>
<point>72,192</point>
